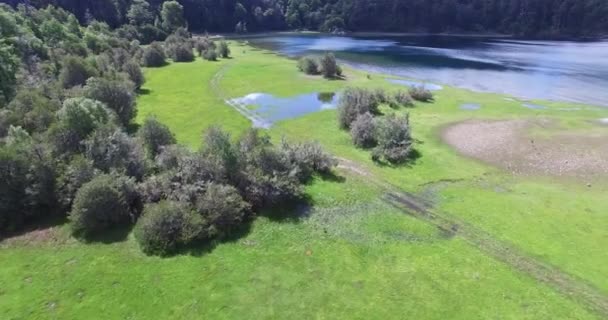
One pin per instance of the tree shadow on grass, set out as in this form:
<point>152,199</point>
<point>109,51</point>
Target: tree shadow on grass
<point>203,247</point>
<point>112,235</point>
<point>144,91</point>
<point>41,224</point>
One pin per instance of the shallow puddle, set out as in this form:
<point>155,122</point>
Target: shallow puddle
<point>409,83</point>
<point>470,106</point>
<point>264,109</point>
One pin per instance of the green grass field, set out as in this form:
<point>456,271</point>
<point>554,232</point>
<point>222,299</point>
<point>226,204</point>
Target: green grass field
<point>525,247</point>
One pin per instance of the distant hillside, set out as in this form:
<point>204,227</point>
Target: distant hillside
<point>532,18</point>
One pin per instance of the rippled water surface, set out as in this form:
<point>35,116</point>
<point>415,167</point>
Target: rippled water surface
<point>553,70</point>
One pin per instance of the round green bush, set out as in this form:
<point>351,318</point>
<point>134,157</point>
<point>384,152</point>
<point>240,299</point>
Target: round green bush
<point>99,205</point>
<point>166,226</point>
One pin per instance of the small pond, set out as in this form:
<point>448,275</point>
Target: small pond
<point>409,83</point>
<point>264,109</point>
<point>470,106</point>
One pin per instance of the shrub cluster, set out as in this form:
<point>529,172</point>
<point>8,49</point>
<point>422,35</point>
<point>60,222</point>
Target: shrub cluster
<point>154,55</point>
<point>390,136</point>
<point>420,93</point>
<point>223,184</point>
<point>325,65</point>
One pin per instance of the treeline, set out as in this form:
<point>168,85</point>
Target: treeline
<point>540,18</point>
<point>69,148</point>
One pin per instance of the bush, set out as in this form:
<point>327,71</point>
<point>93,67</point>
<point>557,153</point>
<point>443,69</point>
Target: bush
<point>203,45</point>
<point>13,211</point>
<point>116,94</point>
<point>308,65</point>
<point>394,138</point>
<point>420,93</point>
<point>403,99</point>
<point>31,110</point>
<point>354,102</point>
<point>210,55</point>
<point>99,205</point>
<point>362,131</point>
<point>75,72</point>
<point>155,135</point>
<point>111,149</point>
<point>167,226</point>
<point>135,73</point>
<point>223,209</point>
<point>82,116</point>
<point>308,158</point>
<point>182,53</point>
<point>154,56</point>
<point>329,66</point>
<point>78,172</point>
<point>223,50</point>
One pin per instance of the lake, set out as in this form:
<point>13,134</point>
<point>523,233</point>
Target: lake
<point>551,70</point>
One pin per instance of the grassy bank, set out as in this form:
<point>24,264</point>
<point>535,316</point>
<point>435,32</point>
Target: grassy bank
<point>351,254</point>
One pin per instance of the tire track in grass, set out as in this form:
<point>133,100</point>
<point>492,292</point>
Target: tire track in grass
<point>421,208</point>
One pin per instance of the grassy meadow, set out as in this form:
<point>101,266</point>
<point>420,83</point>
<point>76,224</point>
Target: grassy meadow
<point>350,254</point>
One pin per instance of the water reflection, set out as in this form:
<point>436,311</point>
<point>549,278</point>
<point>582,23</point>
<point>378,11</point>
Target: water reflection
<point>264,109</point>
<point>553,70</point>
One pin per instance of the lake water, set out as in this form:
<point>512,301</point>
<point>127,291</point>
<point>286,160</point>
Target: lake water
<point>552,70</point>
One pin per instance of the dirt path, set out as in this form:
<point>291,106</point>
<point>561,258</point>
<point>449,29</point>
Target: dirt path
<point>421,208</point>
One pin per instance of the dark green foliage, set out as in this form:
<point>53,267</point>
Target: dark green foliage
<point>404,99</point>
<point>149,33</point>
<point>82,115</point>
<point>223,210</point>
<point>307,158</point>
<point>167,226</point>
<point>111,149</point>
<point>27,174</point>
<point>182,53</point>
<point>117,94</point>
<point>31,110</point>
<point>8,70</point>
<point>210,55</point>
<point>308,65</point>
<point>74,72</point>
<point>99,205</point>
<point>154,56</point>
<point>204,44</point>
<point>76,173</point>
<point>329,66</point>
<point>223,50</point>
<point>393,135</point>
<point>172,16</point>
<point>155,136</point>
<point>362,131</point>
<point>135,74</point>
<point>355,102</point>
<point>420,93</point>
<point>140,13</point>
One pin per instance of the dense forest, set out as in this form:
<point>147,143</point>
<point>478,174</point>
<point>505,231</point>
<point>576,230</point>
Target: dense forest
<point>532,18</point>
